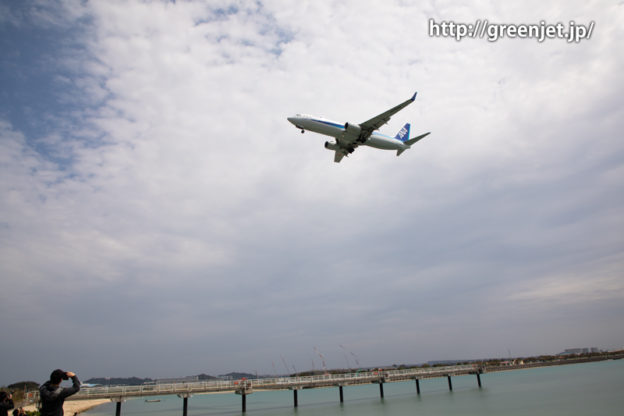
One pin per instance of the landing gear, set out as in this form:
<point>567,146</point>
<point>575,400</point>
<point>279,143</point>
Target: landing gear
<point>302,131</point>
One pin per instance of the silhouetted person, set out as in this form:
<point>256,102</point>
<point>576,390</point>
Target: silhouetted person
<point>19,412</point>
<point>53,396</point>
<point>6,403</point>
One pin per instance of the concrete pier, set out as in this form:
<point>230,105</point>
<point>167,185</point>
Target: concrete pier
<point>244,387</point>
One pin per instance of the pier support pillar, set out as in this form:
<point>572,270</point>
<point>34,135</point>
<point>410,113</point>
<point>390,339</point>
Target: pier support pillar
<point>295,398</point>
<point>184,397</point>
<point>417,386</point>
<point>341,395</point>
<point>244,390</point>
<point>381,393</point>
<point>479,379</point>
<point>118,401</point>
<point>450,383</point>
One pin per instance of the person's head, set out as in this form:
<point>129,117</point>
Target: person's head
<point>3,396</point>
<point>57,376</point>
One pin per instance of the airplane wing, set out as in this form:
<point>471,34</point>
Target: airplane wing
<point>351,138</point>
<point>369,126</point>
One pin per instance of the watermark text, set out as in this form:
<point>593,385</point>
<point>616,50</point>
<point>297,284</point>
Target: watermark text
<point>482,29</point>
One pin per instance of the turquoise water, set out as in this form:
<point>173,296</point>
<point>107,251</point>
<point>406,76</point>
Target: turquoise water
<point>577,389</point>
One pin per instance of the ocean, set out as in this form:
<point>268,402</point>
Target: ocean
<point>576,389</point>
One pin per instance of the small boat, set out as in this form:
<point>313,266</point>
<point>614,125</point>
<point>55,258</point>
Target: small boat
<point>152,401</point>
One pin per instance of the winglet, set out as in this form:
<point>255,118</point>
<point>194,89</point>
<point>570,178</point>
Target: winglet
<point>414,96</point>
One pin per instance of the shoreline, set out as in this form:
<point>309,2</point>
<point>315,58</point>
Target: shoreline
<point>71,407</point>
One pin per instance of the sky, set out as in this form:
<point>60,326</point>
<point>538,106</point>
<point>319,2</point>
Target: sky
<point>160,217</point>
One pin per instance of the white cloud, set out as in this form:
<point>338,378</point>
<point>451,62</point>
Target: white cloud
<point>599,280</point>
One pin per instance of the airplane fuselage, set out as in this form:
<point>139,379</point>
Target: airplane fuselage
<point>334,129</point>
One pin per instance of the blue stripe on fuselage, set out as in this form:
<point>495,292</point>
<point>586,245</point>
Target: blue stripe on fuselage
<point>340,126</point>
<point>376,133</point>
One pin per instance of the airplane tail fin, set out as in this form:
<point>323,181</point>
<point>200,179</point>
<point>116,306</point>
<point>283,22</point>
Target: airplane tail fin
<point>403,134</point>
<point>412,141</point>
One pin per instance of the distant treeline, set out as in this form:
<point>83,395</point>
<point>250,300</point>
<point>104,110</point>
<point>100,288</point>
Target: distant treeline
<point>237,376</point>
<point>119,381</point>
<point>137,381</point>
<point>23,385</point>
<point>18,389</point>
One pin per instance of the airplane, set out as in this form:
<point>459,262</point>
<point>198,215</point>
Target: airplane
<point>349,136</point>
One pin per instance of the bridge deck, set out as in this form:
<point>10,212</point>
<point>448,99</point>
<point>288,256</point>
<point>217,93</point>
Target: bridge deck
<point>278,383</point>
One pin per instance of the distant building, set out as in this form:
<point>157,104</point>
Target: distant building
<point>577,351</point>
<point>512,362</point>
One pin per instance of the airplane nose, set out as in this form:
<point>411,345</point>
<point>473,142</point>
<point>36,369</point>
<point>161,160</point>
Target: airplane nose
<point>291,119</point>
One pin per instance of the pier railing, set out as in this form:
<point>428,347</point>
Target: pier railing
<point>275,383</point>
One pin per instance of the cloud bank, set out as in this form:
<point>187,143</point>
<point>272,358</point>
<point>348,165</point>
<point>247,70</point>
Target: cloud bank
<point>160,217</point>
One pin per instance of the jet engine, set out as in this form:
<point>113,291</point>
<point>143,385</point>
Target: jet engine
<point>331,146</point>
<point>353,130</point>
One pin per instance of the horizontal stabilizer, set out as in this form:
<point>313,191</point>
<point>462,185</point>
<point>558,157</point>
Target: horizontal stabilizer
<point>411,142</point>
<point>415,139</point>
